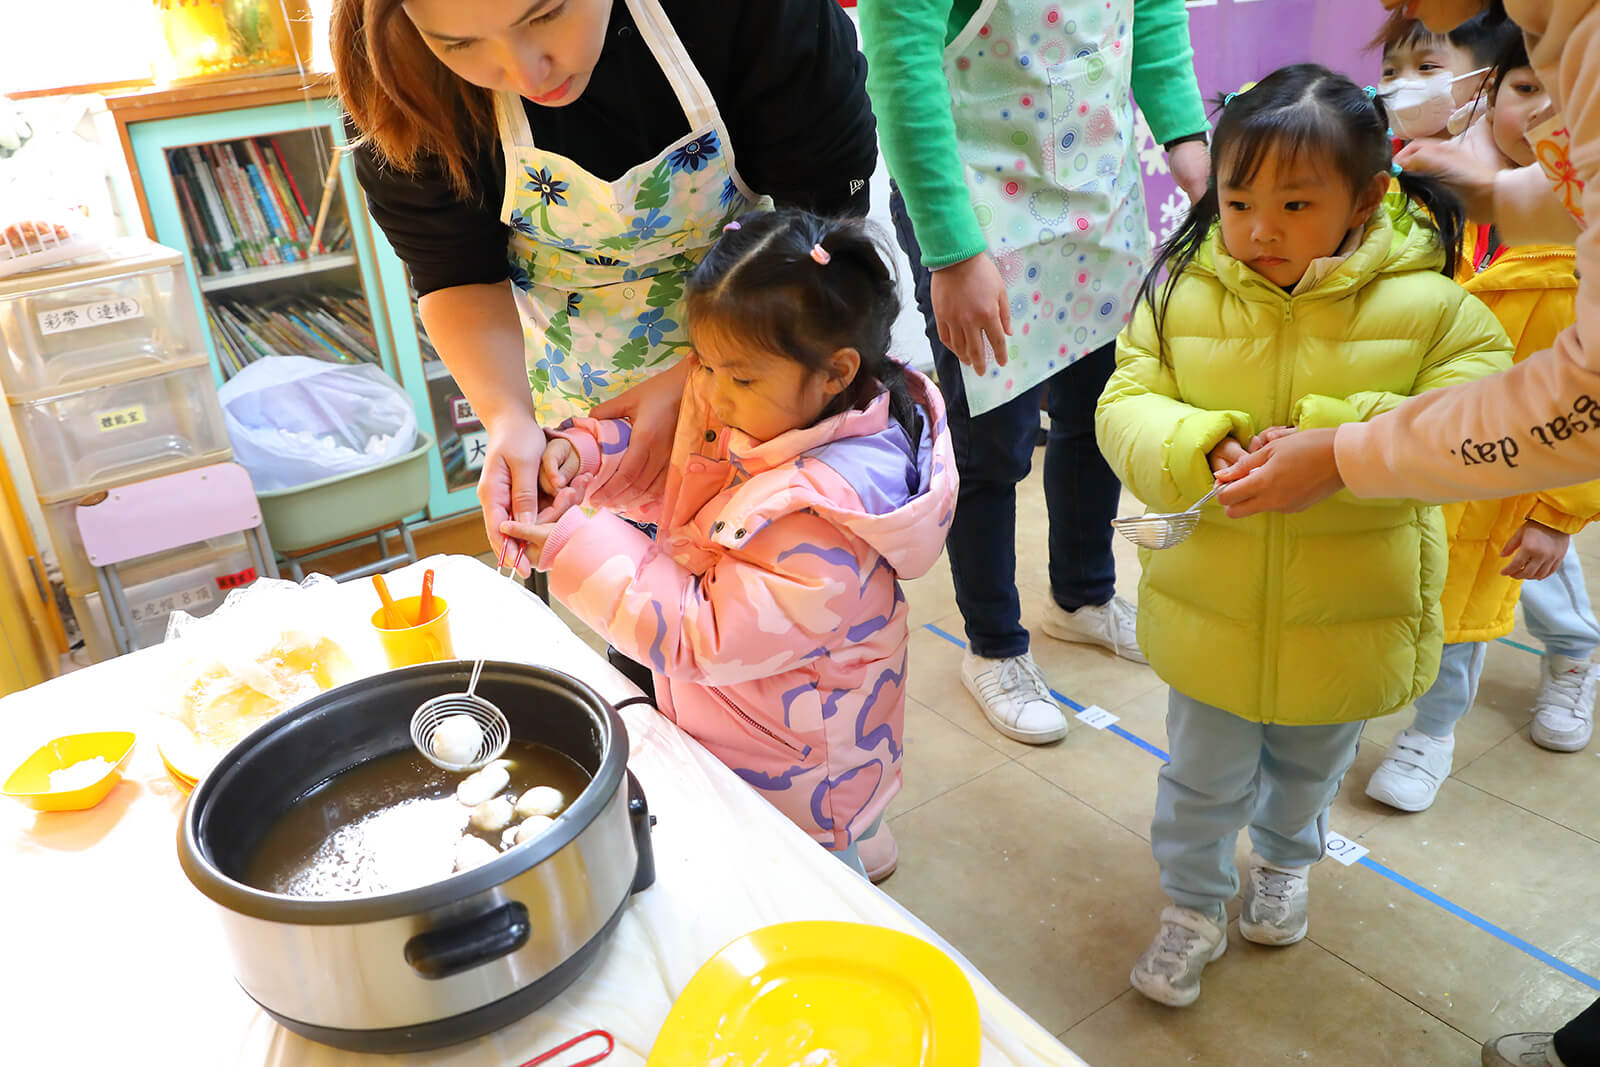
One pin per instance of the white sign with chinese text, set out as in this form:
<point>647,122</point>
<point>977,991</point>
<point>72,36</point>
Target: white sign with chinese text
<point>475,446</point>
<point>1096,716</point>
<point>82,316</point>
<point>159,607</point>
<point>120,418</point>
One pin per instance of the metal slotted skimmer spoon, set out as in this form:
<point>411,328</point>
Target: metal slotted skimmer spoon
<point>433,713</point>
<point>1163,529</point>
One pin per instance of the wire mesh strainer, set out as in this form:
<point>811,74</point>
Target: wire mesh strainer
<point>490,720</point>
<point>1165,529</point>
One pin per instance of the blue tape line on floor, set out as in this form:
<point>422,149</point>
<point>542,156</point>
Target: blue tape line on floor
<point>1519,644</point>
<point>1367,861</point>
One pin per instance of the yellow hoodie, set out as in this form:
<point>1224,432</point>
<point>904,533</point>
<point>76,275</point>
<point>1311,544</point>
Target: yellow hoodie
<point>1532,291</point>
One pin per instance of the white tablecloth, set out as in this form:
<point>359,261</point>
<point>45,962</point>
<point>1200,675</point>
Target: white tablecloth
<point>111,956</point>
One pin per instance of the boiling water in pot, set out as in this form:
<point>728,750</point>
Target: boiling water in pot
<point>391,824</point>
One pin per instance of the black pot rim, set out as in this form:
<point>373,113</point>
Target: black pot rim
<point>238,897</point>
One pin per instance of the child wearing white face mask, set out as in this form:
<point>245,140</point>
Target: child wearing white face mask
<point>1432,82</point>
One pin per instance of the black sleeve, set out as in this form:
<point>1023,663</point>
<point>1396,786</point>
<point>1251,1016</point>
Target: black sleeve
<point>443,239</point>
<point>797,107</point>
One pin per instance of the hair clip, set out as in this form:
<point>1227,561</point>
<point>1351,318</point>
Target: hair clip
<point>1370,90</point>
<point>734,225</point>
<point>821,255</point>
<point>1396,169</point>
<point>1228,99</point>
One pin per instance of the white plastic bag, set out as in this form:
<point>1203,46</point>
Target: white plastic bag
<point>295,419</point>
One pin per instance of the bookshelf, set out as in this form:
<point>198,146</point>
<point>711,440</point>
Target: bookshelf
<point>232,172</point>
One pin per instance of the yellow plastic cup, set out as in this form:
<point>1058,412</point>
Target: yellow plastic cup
<point>416,644</point>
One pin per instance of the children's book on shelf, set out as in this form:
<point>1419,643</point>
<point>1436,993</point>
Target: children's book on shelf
<point>242,207</point>
<point>333,325</point>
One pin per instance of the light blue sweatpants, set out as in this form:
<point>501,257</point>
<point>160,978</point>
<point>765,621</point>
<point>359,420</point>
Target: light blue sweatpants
<point>1557,612</point>
<point>1226,773</point>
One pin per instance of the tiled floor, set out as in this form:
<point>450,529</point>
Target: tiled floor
<point>1035,863</point>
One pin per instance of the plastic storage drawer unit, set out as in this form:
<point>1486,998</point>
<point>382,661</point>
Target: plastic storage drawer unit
<point>121,429</point>
<point>194,579</point>
<point>64,328</point>
<point>61,518</point>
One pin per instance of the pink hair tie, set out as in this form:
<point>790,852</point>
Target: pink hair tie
<point>734,225</point>
<point>821,255</point>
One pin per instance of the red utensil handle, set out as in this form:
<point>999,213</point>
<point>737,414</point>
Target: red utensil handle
<point>425,601</point>
<point>545,1057</point>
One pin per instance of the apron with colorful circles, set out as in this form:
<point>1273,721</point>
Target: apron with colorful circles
<point>1040,94</point>
<point>598,267</point>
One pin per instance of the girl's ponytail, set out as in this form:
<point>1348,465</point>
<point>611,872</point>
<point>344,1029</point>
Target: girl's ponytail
<point>1445,213</point>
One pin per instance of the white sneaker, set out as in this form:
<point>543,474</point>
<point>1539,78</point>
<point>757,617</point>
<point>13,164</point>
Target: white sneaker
<point>1112,625</point>
<point>1169,970</point>
<point>1014,698</point>
<point>1412,771</point>
<point>1276,900</point>
<point>1521,1050</point>
<point>1563,712</point>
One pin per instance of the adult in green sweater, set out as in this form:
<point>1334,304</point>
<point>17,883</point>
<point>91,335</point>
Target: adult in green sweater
<point>1008,129</point>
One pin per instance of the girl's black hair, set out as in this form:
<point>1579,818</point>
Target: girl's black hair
<point>1308,112</point>
<point>1513,54</point>
<point>763,284</point>
<point>1482,35</point>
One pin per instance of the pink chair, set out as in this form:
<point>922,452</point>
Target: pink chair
<point>160,514</point>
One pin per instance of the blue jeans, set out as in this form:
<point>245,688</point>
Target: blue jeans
<point>994,452</point>
<point>1558,613</point>
<point>1226,773</point>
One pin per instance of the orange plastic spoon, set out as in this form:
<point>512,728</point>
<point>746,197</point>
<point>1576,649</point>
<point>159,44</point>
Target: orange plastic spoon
<point>425,601</point>
<point>391,614</point>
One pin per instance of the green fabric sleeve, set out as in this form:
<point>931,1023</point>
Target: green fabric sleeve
<point>1164,85</point>
<point>904,43</point>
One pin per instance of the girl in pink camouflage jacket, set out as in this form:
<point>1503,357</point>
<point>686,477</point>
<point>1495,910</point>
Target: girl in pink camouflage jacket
<point>810,472</point>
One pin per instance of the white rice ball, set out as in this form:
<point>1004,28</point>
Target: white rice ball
<point>493,815</point>
<point>532,827</point>
<point>482,785</point>
<point>457,739</point>
<point>473,852</point>
<point>541,800</point>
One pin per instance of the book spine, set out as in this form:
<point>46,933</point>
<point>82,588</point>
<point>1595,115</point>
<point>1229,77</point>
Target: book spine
<point>266,164</point>
<point>229,247</point>
<point>199,243</point>
<point>237,218</point>
<point>300,201</point>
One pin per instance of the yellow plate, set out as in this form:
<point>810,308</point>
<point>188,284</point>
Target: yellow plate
<point>823,994</point>
<point>179,779</point>
<point>30,783</point>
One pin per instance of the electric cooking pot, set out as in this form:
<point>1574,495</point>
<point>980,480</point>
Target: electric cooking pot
<point>450,960</point>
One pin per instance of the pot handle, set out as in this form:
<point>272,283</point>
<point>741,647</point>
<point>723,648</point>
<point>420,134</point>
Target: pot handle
<point>644,875</point>
<point>481,939</point>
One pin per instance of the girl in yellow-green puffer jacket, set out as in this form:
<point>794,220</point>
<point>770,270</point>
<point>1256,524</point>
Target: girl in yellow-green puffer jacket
<point>1300,296</point>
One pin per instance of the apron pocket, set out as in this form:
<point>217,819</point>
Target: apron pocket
<point>1087,114</point>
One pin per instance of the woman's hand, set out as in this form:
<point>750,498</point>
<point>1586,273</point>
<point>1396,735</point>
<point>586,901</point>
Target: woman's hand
<point>1191,168</point>
<point>559,466</point>
<point>508,487</point>
<point>1267,436</point>
<point>651,407</point>
<point>536,532</point>
<point>1227,452</point>
<point>1536,552</point>
<point>1288,474</point>
<point>970,307</point>
<point>1453,163</point>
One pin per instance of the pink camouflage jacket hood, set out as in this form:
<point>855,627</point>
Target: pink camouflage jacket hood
<point>769,606</point>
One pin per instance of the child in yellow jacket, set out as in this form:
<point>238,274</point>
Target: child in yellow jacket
<point>1532,291</point>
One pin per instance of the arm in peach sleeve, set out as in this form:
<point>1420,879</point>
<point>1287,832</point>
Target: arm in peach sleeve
<point>795,587</point>
<point>601,445</point>
<point>1528,212</point>
<point>1535,426</point>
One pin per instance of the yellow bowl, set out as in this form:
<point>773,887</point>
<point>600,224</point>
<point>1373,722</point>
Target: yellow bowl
<point>30,783</point>
<point>824,992</point>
